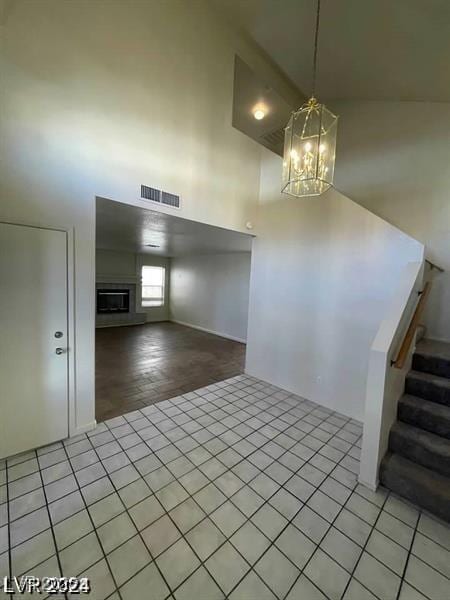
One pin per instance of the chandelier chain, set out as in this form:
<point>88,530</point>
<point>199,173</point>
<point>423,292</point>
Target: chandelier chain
<point>316,44</point>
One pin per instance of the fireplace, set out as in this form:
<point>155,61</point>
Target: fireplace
<point>113,301</point>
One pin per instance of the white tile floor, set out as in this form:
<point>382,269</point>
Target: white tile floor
<point>238,490</point>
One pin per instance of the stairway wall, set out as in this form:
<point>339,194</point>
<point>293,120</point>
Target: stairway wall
<point>394,159</point>
<point>323,272</point>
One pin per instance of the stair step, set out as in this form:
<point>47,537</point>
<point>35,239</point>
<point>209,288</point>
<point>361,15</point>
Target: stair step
<point>426,385</point>
<point>424,414</point>
<point>422,447</point>
<point>417,484</point>
<point>432,357</point>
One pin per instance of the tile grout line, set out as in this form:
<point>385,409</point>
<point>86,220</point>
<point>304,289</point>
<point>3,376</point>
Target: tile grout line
<point>318,547</point>
<point>407,558</point>
<point>230,445</point>
<point>195,467</point>
<point>58,558</point>
<point>322,440</point>
<point>290,521</point>
<point>94,531</point>
<point>87,436</point>
<point>140,536</point>
<point>312,408</point>
<point>207,516</point>
<point>202,563</point>
<point>364,549</point>
<point>229,498</point>
<point>317,488</point>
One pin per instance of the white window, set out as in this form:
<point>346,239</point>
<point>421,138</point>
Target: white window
<point>152,280</point>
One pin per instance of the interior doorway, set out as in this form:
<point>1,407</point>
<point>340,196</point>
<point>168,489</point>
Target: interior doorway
<point>171,306</point>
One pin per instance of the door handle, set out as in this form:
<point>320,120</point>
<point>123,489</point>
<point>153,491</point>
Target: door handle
<point>58,334</point>
<point>60,350</point>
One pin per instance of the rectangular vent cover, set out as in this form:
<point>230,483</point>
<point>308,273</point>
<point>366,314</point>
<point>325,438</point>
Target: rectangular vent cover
<point>274,140</point>
<point>154,195</point>
<point>149,193</point>
<point>170,199</point>
<point>275,137</point>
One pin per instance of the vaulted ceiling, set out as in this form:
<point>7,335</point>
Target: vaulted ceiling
<point>369,49</point>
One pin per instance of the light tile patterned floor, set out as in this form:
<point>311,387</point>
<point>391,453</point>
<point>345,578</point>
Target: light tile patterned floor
<point>237,490</point>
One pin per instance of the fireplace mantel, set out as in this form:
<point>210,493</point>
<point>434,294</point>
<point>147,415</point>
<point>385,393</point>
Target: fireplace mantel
<point>105,278</point>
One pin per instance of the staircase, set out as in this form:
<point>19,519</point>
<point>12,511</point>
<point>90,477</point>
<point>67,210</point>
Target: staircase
<point>417,465</point>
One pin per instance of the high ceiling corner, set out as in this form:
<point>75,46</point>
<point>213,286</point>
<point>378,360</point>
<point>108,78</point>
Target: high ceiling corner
<point>368,49</point>
<point>6,7</point>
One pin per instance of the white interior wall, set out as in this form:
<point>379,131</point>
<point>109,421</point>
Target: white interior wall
<point>99,97</point>
<point>394,159</point>
<point>210,292</point>
<point>114,265</point>
<point>323,272</point>
<point>117,266</point>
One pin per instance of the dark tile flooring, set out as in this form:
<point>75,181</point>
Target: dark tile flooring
<point>143,364</point>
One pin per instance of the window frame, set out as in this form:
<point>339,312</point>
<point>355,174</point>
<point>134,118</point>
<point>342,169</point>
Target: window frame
<point>146,300</point>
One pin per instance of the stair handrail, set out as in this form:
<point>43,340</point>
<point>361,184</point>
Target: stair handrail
<point>399,362</point>
<point>433,265</point>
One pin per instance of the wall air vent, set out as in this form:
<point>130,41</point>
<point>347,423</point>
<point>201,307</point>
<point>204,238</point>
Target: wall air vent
<point>274,140</point>
<point>149,193</point>
<point>170,199</point>
<point>154,195</point>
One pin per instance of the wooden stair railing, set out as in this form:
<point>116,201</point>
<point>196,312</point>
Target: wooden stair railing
<point>433,265</point>
<point>399,362</point>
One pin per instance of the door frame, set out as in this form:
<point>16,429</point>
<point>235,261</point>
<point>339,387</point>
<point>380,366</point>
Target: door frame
<point>72,428</point>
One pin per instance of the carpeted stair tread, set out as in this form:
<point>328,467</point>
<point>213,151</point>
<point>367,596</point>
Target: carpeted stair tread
<point>429,386</point>
<point>425,448</point>
<point>424,414</point>
<point>419,485</point>
<point>434,348</point>
<point>435,362</point>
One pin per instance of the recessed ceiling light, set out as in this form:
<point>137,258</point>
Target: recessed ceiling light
<point>259,114</point>
<point>152,246</point>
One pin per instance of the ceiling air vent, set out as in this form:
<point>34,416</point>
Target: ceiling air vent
<point>170,199</point>
<point>149,193</point>
<point>274,140</point>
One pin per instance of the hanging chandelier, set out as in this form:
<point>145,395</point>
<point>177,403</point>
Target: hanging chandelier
<point>310,143</point>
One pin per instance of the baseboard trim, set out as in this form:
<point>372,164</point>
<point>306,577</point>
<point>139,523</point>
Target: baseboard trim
<point>131,324</point>
<point>218,333</point>
<point>118,325</point>
<point>84,428</point>
<point>369,486</point>
<point>437,339</point>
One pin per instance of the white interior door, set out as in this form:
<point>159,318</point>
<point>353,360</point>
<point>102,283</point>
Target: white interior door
<point>33,337</point>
